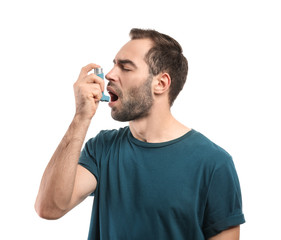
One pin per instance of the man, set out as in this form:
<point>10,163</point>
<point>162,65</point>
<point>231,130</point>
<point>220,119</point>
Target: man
<point>156,178</point>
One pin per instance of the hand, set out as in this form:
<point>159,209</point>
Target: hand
<point>88,92</point>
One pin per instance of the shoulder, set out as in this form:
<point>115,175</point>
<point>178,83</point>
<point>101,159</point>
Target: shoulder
<point>110,135</point>
<point>107,137</point>
<point>104,141</point>
<point>209,152</point>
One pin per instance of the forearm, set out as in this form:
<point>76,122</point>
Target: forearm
<point>58,180</point>
<point>232,233</point>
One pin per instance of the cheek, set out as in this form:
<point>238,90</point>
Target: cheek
<point>134,80</point>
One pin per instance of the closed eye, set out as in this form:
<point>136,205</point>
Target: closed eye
<point>125,64</point>
<point>125,69</point>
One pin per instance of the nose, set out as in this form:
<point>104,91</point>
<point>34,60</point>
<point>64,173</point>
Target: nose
<point>111,75</point>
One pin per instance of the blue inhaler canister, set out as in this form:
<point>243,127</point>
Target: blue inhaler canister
<point>99,72</point>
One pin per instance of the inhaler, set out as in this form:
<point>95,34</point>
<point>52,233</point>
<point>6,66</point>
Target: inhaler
<point>99,72</point>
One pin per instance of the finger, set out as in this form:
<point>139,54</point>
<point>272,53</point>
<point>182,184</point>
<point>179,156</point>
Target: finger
<point>93,78</point>
<point>96,94</point>
<point>88,68</point>
<point>95,89</point>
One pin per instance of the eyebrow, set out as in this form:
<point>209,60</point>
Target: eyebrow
<point>125,61</point>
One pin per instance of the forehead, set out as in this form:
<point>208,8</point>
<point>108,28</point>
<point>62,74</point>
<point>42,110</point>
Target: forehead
<point>135,50</point>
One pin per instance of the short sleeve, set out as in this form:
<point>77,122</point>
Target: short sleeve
<point>224,202</point>
<point>88,160</point>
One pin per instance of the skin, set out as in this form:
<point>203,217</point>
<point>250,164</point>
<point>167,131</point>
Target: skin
<point>136,103</point>
<point>65,183</point>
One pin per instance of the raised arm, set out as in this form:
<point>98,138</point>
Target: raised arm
<point>64,183</point>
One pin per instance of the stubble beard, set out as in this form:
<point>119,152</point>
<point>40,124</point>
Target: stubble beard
<point>136,104</point>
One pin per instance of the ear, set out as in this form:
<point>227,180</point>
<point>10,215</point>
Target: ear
<point>162,83</point>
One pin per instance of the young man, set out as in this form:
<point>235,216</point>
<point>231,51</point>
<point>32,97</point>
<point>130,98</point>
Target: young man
<point>156,178</point>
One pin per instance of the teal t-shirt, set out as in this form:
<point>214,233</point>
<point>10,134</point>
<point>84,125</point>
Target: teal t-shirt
<point>184,189</point>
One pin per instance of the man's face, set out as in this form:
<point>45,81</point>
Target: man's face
<point>130,82</point>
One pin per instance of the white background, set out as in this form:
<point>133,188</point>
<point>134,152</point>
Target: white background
<point>232,94</point>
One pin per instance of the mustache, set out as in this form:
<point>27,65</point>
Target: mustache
<point>116,89</point>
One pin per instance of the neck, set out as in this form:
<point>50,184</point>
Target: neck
<point>158,126</point>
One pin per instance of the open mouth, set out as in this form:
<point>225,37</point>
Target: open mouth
<point>113,97</point>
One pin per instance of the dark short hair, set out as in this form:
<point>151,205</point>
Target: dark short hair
<point>165,56</point>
